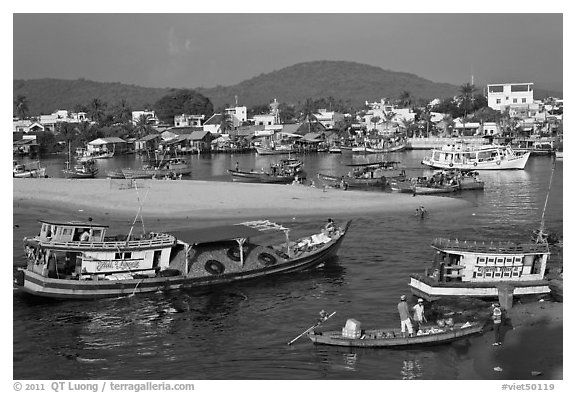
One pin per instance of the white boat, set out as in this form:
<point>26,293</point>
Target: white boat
<point>483,157</point>
<point>478,269</point>
<point>30,170</point>
<point>559,154</point>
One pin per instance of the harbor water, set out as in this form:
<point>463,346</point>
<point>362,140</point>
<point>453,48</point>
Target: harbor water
<point>241,331</point>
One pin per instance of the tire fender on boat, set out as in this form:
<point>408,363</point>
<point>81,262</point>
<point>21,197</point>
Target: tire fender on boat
<point>498,162</point>
<point>234,253</point>
<point>451,165</point>
<point>214,267</point>
<point>475,164</point>
<point>19,279</point>
<point>267,259</point>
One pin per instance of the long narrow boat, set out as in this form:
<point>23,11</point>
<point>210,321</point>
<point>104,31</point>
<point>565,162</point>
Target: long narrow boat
<point>279,149</point>
<point>260,177</point>
<point>484,157</point>
<point>76,260</point>
<point>393,338</point>
<point>160,169</point>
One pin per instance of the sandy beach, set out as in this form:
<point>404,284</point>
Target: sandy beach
<point>217,200</point>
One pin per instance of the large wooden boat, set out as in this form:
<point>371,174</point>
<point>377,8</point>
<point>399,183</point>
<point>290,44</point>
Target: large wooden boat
<point>28,170</point>
<point>484,157</point>
<point>158,169</point>
<point>76,260</point>
<point>83,170</point>
<point>478,269</point>
<point>281,172</point>
<point>393,338</point>
<point>362,175</point>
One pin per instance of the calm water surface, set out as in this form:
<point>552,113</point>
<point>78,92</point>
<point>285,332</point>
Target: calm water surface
<point>241,331</point>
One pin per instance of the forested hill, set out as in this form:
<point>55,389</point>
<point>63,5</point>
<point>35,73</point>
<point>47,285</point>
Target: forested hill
<point>348,81</point>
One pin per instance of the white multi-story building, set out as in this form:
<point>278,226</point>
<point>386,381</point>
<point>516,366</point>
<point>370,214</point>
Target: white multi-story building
<point>184,120</point>
<point>238,114</point>
<point>49,122</point>
<point>152,119</point>
<point>505,95</point>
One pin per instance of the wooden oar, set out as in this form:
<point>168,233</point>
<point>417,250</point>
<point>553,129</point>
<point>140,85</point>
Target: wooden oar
<point>312,327</point>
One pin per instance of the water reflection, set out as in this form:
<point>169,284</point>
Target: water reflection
<point>411,369</point>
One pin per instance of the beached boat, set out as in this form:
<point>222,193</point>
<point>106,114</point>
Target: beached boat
<point>77,260</point>
<point>28,170</point>
<point>393,338</point>
<point>478,269</point>
<point>484,157</point>
<point>83,170</point>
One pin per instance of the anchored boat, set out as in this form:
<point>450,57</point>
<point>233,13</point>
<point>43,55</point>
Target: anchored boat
<point>484,157</point>
<point>77,260</point>
<point>22,170</point>
<point>477,269</point>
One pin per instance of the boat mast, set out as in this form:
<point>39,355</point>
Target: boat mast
<point>540,236</point>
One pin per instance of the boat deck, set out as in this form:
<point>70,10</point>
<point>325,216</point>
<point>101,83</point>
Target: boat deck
<point>490,248</point>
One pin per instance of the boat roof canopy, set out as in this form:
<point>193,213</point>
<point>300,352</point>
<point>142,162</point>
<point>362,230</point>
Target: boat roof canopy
<point>215,234</point>
<point>73,223</point>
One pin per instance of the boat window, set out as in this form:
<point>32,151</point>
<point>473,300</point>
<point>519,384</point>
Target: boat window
<point>118,255</point>
<point>66,231</point>
<point>509,260</point>
<point>97,233</point>
<point>490,260</point>
<point>518,259</point>
<point>127,255</point>
<point>499,260</point>
<point>481,260</point>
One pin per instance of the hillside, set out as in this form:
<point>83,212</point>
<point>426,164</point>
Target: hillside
<point>349,81</point>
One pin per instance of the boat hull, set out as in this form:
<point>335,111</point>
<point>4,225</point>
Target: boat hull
<point>373,338</point>
<point>259,177</point>
<point>38,285</point>
<point>518,162</point>
<point>351,182</point>
<point>265,151</point>
<point>31,173</point>
<point>431,291</point>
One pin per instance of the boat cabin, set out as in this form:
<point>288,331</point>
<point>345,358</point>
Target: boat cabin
<point>72,231</point>
<point>457,261</point>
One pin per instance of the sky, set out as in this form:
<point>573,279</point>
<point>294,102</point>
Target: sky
<point>209,49</point>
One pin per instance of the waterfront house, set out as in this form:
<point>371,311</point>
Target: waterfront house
<point>148,143</point>
<point>106,145</point>
<point>213,124</point>
<point>26,146</point>
<point>50,122</point>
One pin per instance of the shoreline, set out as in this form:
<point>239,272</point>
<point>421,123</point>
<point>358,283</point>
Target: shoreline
<point>213,200</point>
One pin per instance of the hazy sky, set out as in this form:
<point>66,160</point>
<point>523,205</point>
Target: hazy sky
<point>193,50</point>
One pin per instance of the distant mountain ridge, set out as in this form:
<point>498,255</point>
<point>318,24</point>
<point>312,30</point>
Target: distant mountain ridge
<point>349,81</point>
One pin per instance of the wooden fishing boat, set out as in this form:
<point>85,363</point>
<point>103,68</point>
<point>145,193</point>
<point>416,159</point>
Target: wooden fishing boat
<point>278,149</point>
<point>362,175</point>
<point>77,260</point>
<point>393,338</point>
<point>484,157</point>
<point>159,169</point>
<point>260,177</point>
<point>82,170</point>
<point>380,147</point>
<point>421,189</point>
<point>28,170</point>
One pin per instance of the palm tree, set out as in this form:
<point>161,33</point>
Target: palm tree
<point>449,122</point>
<point>467,91</point>
<point>123,112</point>
<point>226,123</point>
<point>406,98</point>
<point>408,126</point>
<point>142,127</point>
<point>96,110</point>
<point>308,113</point>
<point>21,104</point>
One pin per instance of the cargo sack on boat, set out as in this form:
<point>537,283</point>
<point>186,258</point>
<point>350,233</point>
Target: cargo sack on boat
<point>352,329</point>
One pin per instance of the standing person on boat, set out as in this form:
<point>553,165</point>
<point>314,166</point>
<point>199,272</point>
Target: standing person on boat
<point>404,317</point>
<point>85,236</point>
<point>497,318</point>
<point>419,317</point>
<point>237,166</point>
